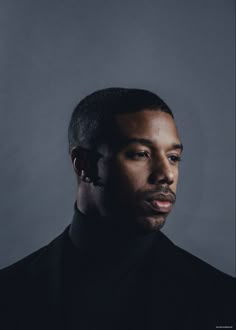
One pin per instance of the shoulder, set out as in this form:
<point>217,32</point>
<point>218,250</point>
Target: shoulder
<point>194,263</point>
<point>191,263</point>
<point>191,271</point>
<point>208,281</point>
<point>22,264</point>
<point>199,268</point>
<point>40,259</point>
<point>197,285</point>
<point>29,284</point>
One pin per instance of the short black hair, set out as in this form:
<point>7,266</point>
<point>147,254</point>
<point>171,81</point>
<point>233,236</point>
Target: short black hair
<point>92,118</point>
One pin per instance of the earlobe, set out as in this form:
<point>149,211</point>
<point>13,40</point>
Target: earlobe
<point>85,178</point>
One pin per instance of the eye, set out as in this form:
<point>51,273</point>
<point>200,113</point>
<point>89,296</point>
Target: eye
<point>174,158</point>
<point>137,155</point>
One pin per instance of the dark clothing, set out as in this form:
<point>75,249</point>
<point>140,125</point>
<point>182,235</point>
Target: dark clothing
<point>94,276</point>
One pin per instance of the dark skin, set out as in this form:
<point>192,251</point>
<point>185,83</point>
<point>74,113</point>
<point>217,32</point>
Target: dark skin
<point>134,179</point>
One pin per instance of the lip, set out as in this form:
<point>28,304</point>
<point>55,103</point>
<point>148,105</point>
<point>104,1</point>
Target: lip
<point>160,203</point>
<point>161,197</point>
<point>158,206</point>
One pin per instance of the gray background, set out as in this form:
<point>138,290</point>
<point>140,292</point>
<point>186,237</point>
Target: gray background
<point>55,52</point>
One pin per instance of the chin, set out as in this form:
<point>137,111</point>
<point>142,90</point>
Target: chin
<point>152,223</point>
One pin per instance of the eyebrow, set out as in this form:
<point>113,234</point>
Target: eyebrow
<point>149,143</point>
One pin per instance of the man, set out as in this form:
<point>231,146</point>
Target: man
<point>113,268</point>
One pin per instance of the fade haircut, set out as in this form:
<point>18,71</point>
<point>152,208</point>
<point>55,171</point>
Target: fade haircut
<point>93,118</point>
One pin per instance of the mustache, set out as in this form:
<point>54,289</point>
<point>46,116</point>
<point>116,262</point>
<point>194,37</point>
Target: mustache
<point>160,192</point>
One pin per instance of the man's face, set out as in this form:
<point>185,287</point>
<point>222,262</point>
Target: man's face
<point>140,173</point>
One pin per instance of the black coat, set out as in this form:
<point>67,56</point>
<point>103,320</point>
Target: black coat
<point>169,289</point>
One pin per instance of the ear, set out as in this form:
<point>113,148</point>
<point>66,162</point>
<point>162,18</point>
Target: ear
<point>82,161</point>
<point>85,163</point>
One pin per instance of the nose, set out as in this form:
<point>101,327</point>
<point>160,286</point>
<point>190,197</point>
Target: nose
<point>162,172</point>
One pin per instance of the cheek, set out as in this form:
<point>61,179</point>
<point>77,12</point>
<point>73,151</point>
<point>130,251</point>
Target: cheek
<point>131,175</point>
<point>176,177</point>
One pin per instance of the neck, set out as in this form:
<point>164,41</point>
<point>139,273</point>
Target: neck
<point>101,235</point>
<point>84,201</point>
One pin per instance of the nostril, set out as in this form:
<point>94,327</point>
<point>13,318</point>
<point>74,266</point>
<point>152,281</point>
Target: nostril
<point>161,177</point>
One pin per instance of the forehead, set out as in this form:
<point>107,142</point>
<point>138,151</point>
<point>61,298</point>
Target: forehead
<point>154,125</point>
